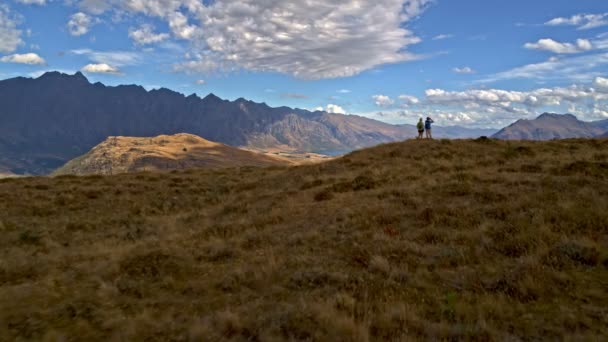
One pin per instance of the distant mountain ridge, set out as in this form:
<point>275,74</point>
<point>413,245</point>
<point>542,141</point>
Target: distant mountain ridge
<point>118,155</point>
<point>549,126</point>
<point>47,121</point>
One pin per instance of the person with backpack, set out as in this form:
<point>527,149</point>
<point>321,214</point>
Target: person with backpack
<point>427,127</point>
<point>420,127</point>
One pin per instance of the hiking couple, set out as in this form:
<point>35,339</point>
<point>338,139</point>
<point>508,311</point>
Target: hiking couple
<point>422,126</point>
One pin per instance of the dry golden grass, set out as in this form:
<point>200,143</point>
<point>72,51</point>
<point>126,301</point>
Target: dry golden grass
<point>422,240</point>
<point>182,151</point>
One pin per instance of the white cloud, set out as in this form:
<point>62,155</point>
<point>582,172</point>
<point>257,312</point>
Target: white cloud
<point>443,36</point>
<point>409,100</point>
<point>10,36</point>
<point>581,45</point>
<point>582,21</point>
<point>499,107</point>
<point>344,91</point>
<point>383,100</point>
<point>169,10</point>
<point>117,58</point>
<point>145,35</point>
<point>28,58</point>
<point>32,2</point>
<point>101,69</point>
<point>443,117</point>
<point>516,103</point>
<point>464,70</point>
<point>601,82</point>
<point>573,69</point>
<point>178,22</point>
<point>162,8</point>
<point>95,7</point>
<point>332,108</point>
<point>308,39</point>
<point>80,24</point>
<point>200,82</point>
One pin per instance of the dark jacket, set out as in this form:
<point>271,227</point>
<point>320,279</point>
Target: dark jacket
<point>427,123</point>
<point>420,126</point>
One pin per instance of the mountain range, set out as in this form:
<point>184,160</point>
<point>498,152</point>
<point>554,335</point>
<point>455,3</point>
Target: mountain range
<point>47,121</point>
<point>553,126</point>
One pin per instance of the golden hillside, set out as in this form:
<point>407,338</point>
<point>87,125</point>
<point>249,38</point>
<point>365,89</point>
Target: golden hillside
<point>422,240</point>
<point>118,155</point>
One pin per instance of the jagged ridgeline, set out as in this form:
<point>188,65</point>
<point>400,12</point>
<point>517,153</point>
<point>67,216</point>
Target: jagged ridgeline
<point>48,121</point>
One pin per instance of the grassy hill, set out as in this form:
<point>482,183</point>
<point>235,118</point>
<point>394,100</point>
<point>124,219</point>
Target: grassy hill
<point>182,151</point>
<point>423,240</point>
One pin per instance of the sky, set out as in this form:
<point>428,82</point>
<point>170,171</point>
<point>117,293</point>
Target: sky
<point>472,63</point>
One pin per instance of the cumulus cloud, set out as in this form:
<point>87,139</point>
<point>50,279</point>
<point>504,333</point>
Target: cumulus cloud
<point>332,108</point>
<point>441,116</point>
<point>145,35</point>
<point>310,39</point>
<point>80,24</point>
<point>101,69</point>
<point>117,58</point>
<point>169,10</point>
<point>463,70</point>
<point>498,107</point>
<point>574,69</point>
<point>10,35</point>
<point>200,82</point>
<point>95,7</point>
<point>28,58</point>
<point>506,99</point>
<point>383,100</point>
<point>307,39</point>
<point>581,45</point>
<point>582,21</point>
<point>181,28</point>
<point>516,104</point>
<point>409,100</point>
<point>601,82</point>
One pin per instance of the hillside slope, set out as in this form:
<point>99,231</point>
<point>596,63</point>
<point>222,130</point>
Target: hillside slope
<point>422,240</point>
<point>552,126</point>
<point>163,153</point>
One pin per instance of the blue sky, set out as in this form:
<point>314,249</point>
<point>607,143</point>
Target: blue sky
<point>474,63</point>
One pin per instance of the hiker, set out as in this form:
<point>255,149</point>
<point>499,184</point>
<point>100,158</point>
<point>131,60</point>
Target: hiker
<point>427,126</point>
<point>420,127</point>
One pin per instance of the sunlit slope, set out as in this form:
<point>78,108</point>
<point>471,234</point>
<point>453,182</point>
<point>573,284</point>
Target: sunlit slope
<point>163,153</point>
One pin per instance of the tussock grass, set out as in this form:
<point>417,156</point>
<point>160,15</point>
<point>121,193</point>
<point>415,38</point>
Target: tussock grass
<point>422,240</point>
